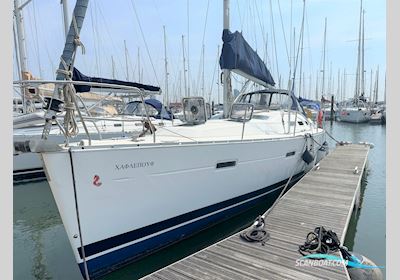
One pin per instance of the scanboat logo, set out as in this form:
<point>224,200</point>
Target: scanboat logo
<point>332,260</point>
<point>133,165</point>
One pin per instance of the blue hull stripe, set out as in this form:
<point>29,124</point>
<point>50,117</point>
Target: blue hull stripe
<point>109,243</point>
<point>109,262</point>
<point>28,174</point>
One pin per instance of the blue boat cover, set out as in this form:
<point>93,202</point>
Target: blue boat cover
<point>78,76</point>
<point>163,113</point>
<point>309,103</point>
<point>237,54</point>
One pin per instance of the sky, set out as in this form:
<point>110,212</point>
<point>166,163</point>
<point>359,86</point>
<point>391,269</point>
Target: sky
<point>109,25</point>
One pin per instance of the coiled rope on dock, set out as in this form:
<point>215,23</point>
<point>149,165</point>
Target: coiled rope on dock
<point>322,241</point>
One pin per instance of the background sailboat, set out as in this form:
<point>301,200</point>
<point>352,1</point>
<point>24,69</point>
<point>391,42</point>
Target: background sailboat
<point>356,110</point>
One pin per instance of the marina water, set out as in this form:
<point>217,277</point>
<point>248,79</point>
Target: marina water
<point>42,250</point>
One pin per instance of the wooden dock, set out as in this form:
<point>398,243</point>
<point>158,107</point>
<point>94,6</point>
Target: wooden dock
<point>323,197</point>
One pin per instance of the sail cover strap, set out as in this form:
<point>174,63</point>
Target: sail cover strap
<point>238,56</point>
<point>78,76</point>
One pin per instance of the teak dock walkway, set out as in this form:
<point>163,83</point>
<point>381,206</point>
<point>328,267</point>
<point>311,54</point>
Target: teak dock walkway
<point>324,196</point>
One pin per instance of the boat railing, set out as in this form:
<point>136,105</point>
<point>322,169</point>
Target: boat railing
<point>241,112</point>
<point>54,105</point>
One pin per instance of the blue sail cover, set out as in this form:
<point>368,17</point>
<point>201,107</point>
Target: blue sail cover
<point>238,55</point>
<point>78,76</point>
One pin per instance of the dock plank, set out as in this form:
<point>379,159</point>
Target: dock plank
<point>324,196</point>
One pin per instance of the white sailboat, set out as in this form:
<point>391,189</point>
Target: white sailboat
<point>198,174</point>
<point>356,110</point>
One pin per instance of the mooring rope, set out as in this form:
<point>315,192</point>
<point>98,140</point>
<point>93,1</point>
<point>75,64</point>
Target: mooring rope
<point>341,143</point>
<point>258,233</point>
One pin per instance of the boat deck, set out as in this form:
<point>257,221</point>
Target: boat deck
<point>325,196</point>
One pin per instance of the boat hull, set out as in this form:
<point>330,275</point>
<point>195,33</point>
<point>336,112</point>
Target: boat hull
<point>193,185</point>
<point>354,115</point>
<point>101,265</point>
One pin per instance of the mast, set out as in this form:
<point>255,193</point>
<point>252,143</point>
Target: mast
<point>301,63</point>
<point>138,61</point>
<point>202,74</point>
<point>64,4</point>
<point>362,58</point>
<point>316,87</point>
<point>23,65</point>
<point>338,85</point>
<point>166,101</point>
<point>370,86</point>
<point>357,89</point>
<point>330,83</point>
<point>384,92</point>
<point>218,78</point>
<point>226,72</point>
<point>291,58</point>
<point>126,61</point>
<point>376,86</point>
<point>180,84</point>
<point>184,65</point>
<point>344,85</point>
<point>291,80</point>
<point>323,62</point>
<point>113,67</point>
<point>188,51</point>
<point>16,53</point>
<point>20,35</point>
<point>72,42</point>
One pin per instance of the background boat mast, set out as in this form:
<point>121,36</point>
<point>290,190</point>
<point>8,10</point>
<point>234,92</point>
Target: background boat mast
<point>323,62</point>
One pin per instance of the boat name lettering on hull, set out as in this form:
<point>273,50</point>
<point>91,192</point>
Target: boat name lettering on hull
<point>134,165</point>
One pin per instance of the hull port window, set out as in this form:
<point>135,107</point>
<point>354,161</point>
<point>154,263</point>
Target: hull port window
<point>226,164</point>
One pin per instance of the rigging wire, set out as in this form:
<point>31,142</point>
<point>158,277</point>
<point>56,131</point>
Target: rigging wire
<point>309,45</point>
<point>37,39</point>
<point>261,25</point>
<point>201,66</point>
<point>212,80</point>
<point>114,46</point>
<point>274,39</point>
<point>94,40</point>
<point>188,48</point>
<point>145,42</point>
<point>299,45</point>
<point>240,16</point>
<point>284,33</point>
